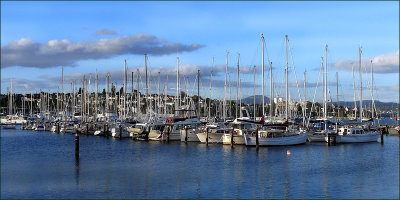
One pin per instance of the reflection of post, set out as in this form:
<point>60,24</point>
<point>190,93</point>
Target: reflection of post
<point>76,145</point>
<point>77,170</point>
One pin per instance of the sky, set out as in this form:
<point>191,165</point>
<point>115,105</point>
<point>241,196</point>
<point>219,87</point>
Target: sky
<point>39,39</point>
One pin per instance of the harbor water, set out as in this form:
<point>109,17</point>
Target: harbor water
<point>42,165</point>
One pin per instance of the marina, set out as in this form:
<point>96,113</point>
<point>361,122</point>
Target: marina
<point>199,100</point>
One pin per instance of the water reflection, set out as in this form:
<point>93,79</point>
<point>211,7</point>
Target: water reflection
<point>77,170</point>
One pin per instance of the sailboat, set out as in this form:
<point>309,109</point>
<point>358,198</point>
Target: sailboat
<point>275,136</point>
<point>357,133</point>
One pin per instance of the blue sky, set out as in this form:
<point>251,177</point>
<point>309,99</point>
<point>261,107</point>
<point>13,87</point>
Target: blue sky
<point>196,32</point>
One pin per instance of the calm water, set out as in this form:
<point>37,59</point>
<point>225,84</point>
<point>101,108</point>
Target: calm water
<point>42,165</point>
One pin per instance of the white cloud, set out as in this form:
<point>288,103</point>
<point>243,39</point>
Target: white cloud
<point>385,63</point>
<point>28,53</point>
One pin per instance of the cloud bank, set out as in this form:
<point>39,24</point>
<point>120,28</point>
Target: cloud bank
<point>28,53</point>
<point>385,63</point>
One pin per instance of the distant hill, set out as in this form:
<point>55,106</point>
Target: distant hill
<point>250,99</point>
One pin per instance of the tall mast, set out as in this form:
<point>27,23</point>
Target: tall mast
<point>96,94</point>
<point>262,68</point>
<point>62,91</point>
<point>230,99</point>
<point>177,86</point>
<point>198,91</point>
<point>359,63</point>
<point>372,91</point>
<point>286,82</point>
<point>326,84</point>
<point>125,80</point>
<point>305,102</point>
<point>270,92</point>
<point>131,103</point>
<point>158,95</point>
<point>145,65</point>
<point>137,91</point>
<point>107,95</point>
<point>165,96</point>
<point>337,93</point>
<point>237,88</point>
<point>254,96</point>
<point>226,79</point>
<point>354,89</point>
<point>209,106</point>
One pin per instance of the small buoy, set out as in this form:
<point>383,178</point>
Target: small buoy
<point>288,152</point>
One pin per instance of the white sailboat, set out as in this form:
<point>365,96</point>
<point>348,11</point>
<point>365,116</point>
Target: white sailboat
<point>276,137</point>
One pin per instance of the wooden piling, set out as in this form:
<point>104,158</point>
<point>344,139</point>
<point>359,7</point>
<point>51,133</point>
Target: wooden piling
<point>186,134</point>
<point>233,130</point>
<point>58,127</point>
<point>76,144</point>
<point>120,131</point>
<point>207,136</point>
<point>329,140</point>
<point>334,140</point>
<point>87,129</point>
<point>381,136</point>
<point>167,133</point>
<point>257,138</point>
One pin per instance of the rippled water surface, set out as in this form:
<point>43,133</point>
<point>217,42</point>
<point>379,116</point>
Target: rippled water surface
<point>43,165</point>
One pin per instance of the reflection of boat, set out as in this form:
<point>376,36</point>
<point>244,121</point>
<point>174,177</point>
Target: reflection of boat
<point>394,131</point>
<point>39,128</point>
<point>355,135</point>
<point>9,126</point>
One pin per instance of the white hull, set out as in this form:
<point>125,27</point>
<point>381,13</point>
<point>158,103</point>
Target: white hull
<point>156,135</point>
<point>39,129</point>
<point>354,138</point>
<point>116,133</point>
<point>277,141</point>
<point>237,139</point>
<point>212,137</point>
<point>98,133</point>
<point>191,137</point>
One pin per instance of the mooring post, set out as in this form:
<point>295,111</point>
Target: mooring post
<point>329,140</point>
<point>168,133</point>
<point>76,144</point>
<point>257,137</point>
<point>233,130</point>
<point>207,136</point>
<point>381,136</point>
<point>120,131</point>
<point>186,134</point>
<point>58,127</point>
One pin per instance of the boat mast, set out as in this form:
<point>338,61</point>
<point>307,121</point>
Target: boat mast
<point>125,83</point>
<point>198,92</point>
<point>137,91</point>
<point>177,87</point>
<point>209,106</point>
<point>96,95</point>
<point>107,96</point>
<point>254,96</point>
<point>262,68</point>
<point>372,92</point>
<point>270,92</point>
<point>305,102</point>
<point>354,89</point>
<point>337,93</point>
<point>326,86</point>
<point>226,79</point>
<point>359,62</point>
<point>286,81</point>
<point>158,95</point>
<point>147,88</point>
<point>237,88</point>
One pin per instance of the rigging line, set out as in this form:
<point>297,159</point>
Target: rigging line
<point>315,93</point>
<point>294,70</point>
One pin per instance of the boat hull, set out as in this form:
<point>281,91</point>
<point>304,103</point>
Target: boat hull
<point>191,135</point>
<point>237,139</point>
<point>316,138</point>
<point>278,141</point>
<point>212,137</point>
<point>354,138</point>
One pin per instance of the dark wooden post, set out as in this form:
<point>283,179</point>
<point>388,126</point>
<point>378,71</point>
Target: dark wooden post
<point>120,130</point>
<point>206,135</point>
<point>233,130</point>
<point>329,140</point>
<point>186,134</point>
<point>87,129</point>
<point>381,136</point>
<point>257,137</point>
<point>76,144</point>
<point>168,133</point>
